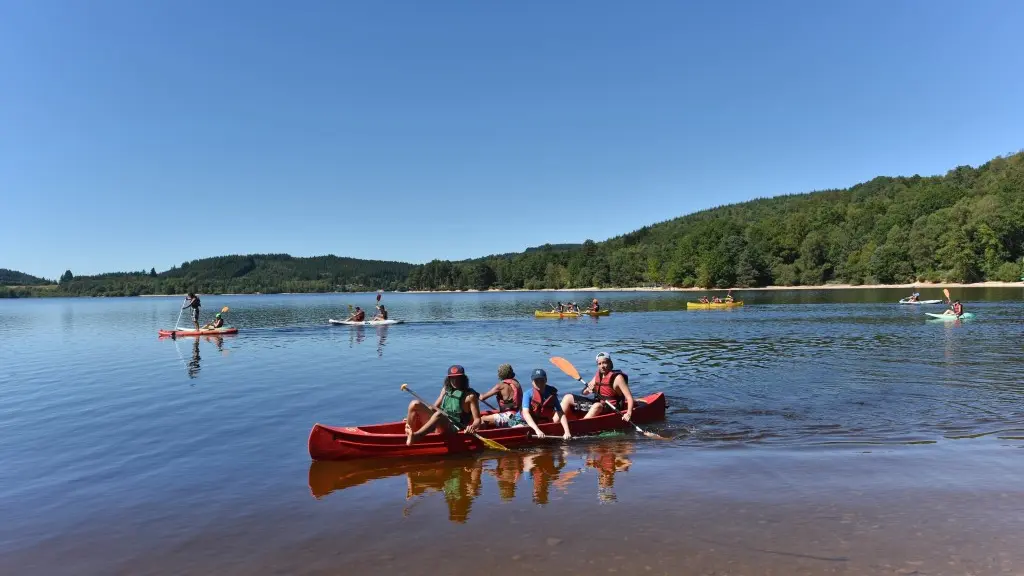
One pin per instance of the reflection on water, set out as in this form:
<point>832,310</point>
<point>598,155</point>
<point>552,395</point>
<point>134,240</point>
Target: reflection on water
<point>462,480</point>
<point>194,364</point>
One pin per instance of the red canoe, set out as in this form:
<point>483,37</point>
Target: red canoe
<point>194,332</point>
<point>388,440</point>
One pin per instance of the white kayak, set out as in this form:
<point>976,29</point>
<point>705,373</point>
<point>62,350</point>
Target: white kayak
<point>905,301</point>
<point>365,322</point>
<point>950,317</point>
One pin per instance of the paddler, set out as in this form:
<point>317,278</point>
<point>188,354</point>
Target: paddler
<point>608,384</point>
<point>509,395</point>
<point>382,313</point>
<point>192,301</point>
<point>914,297</point>
<point>729,298</point>
<point>218,322</point>
<point>543,403</point>
<point>594,307</point>
<point>358,316</point>
<point>956,309</point>
<point>457,403</point>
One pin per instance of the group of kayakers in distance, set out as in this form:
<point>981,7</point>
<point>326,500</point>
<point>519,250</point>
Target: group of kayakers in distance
<point>457,407</point>
<point>716,300</point>
<point>955,307</point>
<point>572,307</point>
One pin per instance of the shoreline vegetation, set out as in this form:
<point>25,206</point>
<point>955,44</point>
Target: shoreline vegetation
<point>964,228</point>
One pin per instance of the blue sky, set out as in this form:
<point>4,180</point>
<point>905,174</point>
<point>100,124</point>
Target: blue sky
<point>143,134</point>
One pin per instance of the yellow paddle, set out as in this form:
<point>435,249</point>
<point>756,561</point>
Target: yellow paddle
<point>570,370</point>
<point>489,443</point>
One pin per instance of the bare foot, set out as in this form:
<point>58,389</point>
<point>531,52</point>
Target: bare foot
<point>408,435</point>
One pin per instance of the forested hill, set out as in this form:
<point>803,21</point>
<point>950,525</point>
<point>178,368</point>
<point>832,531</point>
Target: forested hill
<point>15,278</point>
<point>265,273</point>
<point>965,226</point>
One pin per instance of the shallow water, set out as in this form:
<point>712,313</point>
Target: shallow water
<point>132,453</point>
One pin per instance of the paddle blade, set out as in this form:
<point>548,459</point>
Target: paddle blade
<point>378,295</point>
<point>224,310</point>
<point>492,444</point>
<point>946,292</point>
<point>566,366</point>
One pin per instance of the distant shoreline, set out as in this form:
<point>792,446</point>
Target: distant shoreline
<point>918,286</point>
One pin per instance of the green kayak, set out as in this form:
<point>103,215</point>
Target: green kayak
<point>950,317</point>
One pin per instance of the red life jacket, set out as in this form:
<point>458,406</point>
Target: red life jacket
<point>603,387</point>
<point>545,409</point>
<point>360,316</point>
<point>958,309</point>
<point>516,403</point>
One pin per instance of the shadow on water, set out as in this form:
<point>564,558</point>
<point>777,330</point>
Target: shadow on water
<point>459,481</point>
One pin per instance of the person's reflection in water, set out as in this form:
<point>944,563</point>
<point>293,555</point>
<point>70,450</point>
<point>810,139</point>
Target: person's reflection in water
<point>608,460</point>
<point>382,338</point>
<point>507,471</point>
<point>460,485</point>
<point>357,336</point>
<point>544,468</point>
<point>193,365</point>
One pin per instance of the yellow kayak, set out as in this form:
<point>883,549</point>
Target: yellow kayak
<point>712,305</point>
<point>541,314</point>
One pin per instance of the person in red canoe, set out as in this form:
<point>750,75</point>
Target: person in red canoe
<point>457,403</point>
<point>509,398</point>
<point>543,403</point>
<point>608,384</point>
<point>192,301</point>
<point>358,316</point>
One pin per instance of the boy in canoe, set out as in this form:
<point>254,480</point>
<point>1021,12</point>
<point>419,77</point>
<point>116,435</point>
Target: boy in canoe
<point>543,403</point>
<point>607,385</point>
<point>457,403</point>
<point>192,301</point>
<point>358,316</point>
<point>509,397</point>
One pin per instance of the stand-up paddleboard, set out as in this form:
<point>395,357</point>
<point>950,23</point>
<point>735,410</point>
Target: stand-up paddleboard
<point>201,332</point>
<point>950,317</point>
<point>365,322</point>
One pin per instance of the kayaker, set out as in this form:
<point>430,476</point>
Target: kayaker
<point>914,297</point>
<point>544,404</point>
<point>717,300</point>
<point>192,301</point>
<point>608,384</point>
<point>382,313</point>
<point>358,316</point>
<point>457,403</point>
<point>509,395</point>
<point>218,322</point>
<point>594,306</point>
<point>956,309</point>
<point>728,297</point>
<point>704,300</point>
<point>575,307</point>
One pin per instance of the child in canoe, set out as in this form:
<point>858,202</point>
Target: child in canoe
<point>509,395</point>
<point>543,403</point>
<point>607,385</point>
<point>457,405</point>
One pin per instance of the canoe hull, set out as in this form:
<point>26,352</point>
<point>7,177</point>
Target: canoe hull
<point>193,332</point>
<point>712,305</point>
<point>543,314</point>
<point>364,322</point>
<point>388,440</point>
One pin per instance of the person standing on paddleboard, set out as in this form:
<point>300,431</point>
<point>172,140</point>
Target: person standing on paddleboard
<point>192,301</point>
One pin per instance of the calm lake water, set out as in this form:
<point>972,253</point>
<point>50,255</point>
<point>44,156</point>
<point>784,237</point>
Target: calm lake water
<point>125,453</point>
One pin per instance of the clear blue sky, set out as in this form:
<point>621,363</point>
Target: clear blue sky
<point>415,130</point>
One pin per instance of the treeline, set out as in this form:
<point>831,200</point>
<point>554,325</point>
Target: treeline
<point>254,273</point>
<point>965,226</point>
<point>15,278</point>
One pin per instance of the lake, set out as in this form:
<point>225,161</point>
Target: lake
<point>829,431</point>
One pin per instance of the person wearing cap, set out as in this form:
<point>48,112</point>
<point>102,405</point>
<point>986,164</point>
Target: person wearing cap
<point>358,316</point>
<point>382,313</point>
<point>509,395</point>
<point>457,406</point>
<point>544,404</point>
<point>218,322</point>
<point>607,385</point>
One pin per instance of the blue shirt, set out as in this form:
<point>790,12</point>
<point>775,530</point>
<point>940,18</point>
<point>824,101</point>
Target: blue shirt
<point>546,393</point>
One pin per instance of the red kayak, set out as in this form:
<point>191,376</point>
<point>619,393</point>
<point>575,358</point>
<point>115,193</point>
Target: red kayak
<point>203,332</point>
<point>388,440</point>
